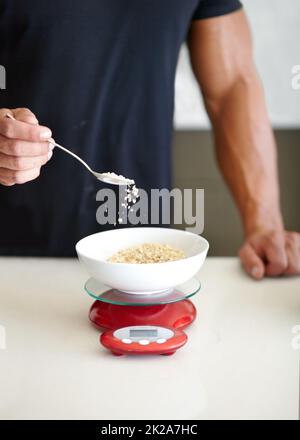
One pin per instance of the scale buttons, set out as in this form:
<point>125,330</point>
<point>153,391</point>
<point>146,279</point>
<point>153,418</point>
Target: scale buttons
<point>127,341</point>
<point>161,340</point>
<point>144,342</point>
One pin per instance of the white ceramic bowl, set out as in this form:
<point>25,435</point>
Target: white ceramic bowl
<point>94,250</point>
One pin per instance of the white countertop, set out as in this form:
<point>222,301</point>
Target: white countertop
<point>238,362</point>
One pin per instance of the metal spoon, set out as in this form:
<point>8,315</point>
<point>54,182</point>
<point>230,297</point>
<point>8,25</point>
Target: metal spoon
<point>112,178</point>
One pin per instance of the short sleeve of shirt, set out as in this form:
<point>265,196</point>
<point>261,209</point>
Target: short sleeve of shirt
<point>215,8</point>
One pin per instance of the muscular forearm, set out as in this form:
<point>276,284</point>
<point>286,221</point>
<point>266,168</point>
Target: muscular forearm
<point>222,59</point>
<point>246,153</point>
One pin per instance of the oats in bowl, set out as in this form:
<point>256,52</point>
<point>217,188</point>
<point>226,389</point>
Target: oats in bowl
<point>147,253</point>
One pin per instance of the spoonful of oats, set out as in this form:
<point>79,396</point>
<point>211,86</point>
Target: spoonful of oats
<point>108,177</point>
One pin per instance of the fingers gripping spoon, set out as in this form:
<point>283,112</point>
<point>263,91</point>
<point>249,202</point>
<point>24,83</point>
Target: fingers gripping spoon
<point>111,178</point>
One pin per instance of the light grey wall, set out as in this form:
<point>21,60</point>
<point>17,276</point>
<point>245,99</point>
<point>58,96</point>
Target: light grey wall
<point>194,167</point>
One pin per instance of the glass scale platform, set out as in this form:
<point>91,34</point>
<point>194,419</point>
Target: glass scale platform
<point>114,309</point>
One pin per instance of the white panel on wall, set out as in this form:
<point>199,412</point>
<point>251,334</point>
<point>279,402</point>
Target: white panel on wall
<point>276,33</point>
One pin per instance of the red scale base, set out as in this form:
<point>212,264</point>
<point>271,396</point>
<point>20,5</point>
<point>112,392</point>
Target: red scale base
<point>177,315</point>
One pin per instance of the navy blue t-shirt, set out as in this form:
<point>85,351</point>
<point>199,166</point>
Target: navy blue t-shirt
<point>100,74</point>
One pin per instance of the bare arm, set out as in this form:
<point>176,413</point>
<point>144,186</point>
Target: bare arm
<point>221,55</point>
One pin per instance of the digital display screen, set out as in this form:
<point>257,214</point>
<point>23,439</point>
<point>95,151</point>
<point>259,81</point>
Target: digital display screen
<point>137,333</point>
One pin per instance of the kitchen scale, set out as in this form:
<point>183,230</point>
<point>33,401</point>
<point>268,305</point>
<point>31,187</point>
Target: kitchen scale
<point>148,323</point>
